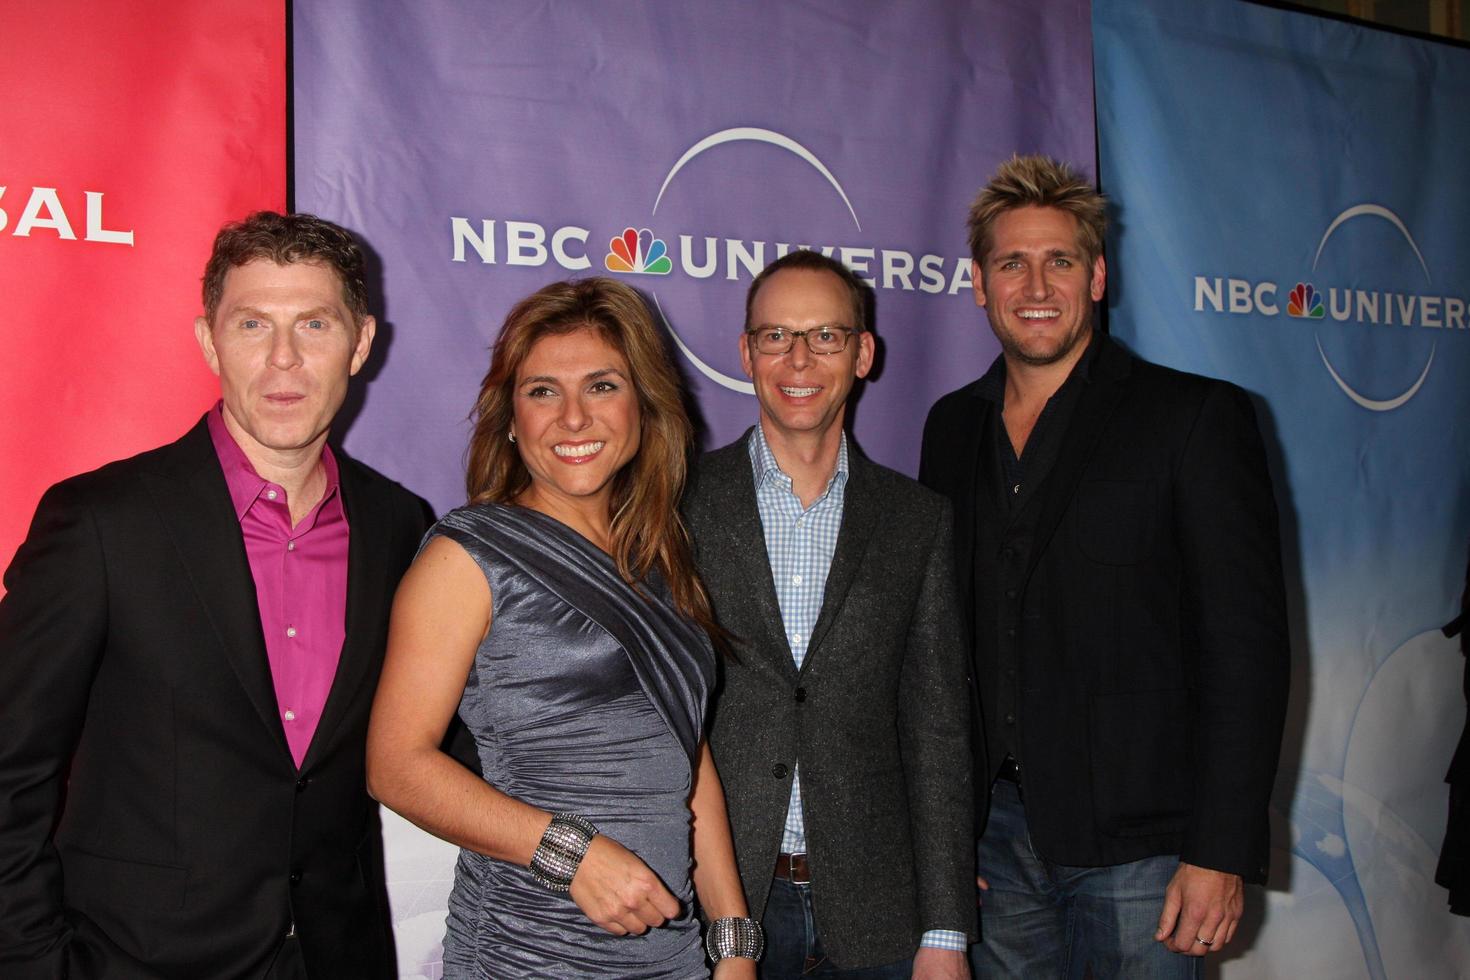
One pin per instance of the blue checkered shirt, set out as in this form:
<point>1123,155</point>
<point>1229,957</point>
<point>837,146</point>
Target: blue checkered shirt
<point>800,544</point>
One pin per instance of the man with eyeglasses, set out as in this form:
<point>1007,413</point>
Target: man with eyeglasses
<point>841,727</point>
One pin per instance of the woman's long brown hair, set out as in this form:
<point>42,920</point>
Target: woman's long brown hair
<point>647,531</point>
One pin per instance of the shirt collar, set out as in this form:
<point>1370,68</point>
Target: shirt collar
<point>765,468</point>
<point>246,485</point>
<point>992,384</point>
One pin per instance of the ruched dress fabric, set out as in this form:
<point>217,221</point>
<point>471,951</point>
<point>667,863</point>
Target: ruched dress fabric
<point>589,697</point>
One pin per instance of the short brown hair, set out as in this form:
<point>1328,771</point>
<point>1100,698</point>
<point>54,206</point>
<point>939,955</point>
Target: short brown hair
<point>806,258</point>
<point>1038,181</point>
<point>285,239</point>
<point>647,531</point>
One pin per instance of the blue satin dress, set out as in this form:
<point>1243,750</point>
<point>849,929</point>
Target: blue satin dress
<point>585,696</point>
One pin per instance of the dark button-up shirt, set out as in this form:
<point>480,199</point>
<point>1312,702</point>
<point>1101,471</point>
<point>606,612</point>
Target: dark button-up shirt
<point>1017,481</point>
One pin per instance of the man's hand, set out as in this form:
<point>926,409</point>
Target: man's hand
<point>931,963</point>
<point>618,891</point>
<point>1201,910</point>
<point>982,886</point>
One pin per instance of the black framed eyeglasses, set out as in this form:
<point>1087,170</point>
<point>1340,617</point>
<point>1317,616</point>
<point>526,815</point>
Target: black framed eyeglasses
<point>819,340</point>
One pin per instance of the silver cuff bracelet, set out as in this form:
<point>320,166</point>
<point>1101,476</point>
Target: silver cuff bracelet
<point>733,936</point>
<point>560,852</point>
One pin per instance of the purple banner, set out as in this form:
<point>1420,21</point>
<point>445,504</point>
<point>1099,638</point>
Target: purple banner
<point>483,150</point>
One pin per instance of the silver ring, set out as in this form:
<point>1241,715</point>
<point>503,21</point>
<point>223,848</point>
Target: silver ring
<point>1204,942</point>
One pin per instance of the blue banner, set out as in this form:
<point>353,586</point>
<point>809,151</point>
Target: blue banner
<point>1290,214</point>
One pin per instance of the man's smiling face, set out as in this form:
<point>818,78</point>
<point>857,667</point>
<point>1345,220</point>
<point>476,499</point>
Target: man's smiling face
<point>1037,285</point>
<point>801,392</point>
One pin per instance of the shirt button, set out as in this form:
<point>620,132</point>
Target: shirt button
<point>289,715</point>
<point>290,545</point>
<point>796,580</point>
<point>779,770</point>
<point>270,495</point>
<point>1010,719</point>
<point>796,638</point>
<point>290,631</point>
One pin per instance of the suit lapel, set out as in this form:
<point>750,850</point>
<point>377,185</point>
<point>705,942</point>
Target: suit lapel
<point>978,478</point>
<point>746,542</point>
<point>368,594</point>
<point>861,512</point>
<point>1095,404</point>
<point>194,505</point>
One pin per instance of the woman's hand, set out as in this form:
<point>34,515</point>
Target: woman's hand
<point>734,968</point>
<point>619,892</point>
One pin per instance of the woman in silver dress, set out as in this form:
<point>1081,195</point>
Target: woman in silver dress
<point>559,613</point>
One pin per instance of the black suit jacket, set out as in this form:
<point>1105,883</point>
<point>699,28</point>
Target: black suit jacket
<point>878,715</point>
<point>1460,762</point>
<point>1154,660</point>
<point>152,820</point>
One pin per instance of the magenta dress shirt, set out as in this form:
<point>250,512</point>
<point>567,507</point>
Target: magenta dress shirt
<point>300,583</point>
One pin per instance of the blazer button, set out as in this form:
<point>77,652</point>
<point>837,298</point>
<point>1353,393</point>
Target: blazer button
<point>1010,593</point>
<point>800,695</point>
<point>1010,719</point>
<point>779,770</point>
<point>302,783</point>
<point>295,877</point>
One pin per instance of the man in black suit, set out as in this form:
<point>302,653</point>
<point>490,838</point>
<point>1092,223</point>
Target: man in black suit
<point>188,651</point>
<point>841,726</point>
<point>1120,568</point>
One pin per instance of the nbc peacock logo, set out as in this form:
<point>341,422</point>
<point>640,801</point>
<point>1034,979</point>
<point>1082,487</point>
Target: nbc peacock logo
<point>1343,302</point>
<point>636,250</point>
<point>1304,302</point>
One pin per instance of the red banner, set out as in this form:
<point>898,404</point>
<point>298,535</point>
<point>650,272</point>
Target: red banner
<point>130,131</point>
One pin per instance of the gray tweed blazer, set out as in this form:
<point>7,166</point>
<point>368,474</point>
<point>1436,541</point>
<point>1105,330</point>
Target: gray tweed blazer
<point>878,715</point>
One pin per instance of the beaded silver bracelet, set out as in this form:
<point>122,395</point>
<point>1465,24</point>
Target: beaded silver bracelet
<point>561,850</point>
<point>733,936</point>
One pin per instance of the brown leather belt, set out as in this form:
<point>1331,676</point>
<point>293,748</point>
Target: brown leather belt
<point>792,868</point>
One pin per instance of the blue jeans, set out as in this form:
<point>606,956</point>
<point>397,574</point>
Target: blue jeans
<point>1041,920</point>
<point>793,948</point>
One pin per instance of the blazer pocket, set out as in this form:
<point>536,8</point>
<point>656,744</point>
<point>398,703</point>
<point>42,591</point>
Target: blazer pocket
<point>1116,520</point>
<point>124,884</point>
<point>1141,774</point>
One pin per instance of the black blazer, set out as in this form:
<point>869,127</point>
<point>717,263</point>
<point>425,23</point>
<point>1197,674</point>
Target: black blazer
<point>1153,639</point>
<point>1460,762</point>
<point>878,715</point>
<point>182,842</point>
